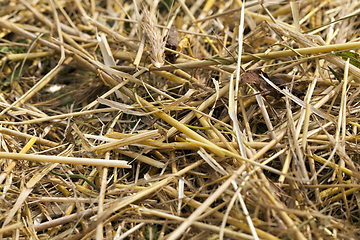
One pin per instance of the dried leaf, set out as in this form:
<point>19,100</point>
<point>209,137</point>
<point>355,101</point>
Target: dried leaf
<point>172,43</point>
<point>253,77</point>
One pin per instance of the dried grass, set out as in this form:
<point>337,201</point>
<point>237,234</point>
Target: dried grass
<point>102,137</point>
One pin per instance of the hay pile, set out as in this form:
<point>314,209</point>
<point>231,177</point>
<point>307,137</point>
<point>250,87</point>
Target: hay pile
<point>130,120</point>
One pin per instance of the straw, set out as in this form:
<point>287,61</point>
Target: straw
<point>179,120</point>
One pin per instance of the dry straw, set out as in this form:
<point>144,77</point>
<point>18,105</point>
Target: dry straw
<point>103,135</point>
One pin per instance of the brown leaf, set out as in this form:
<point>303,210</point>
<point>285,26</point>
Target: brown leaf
<point>253,77</point>
<point>172,43</point>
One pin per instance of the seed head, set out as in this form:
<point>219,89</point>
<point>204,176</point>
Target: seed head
<point>153,39</point>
